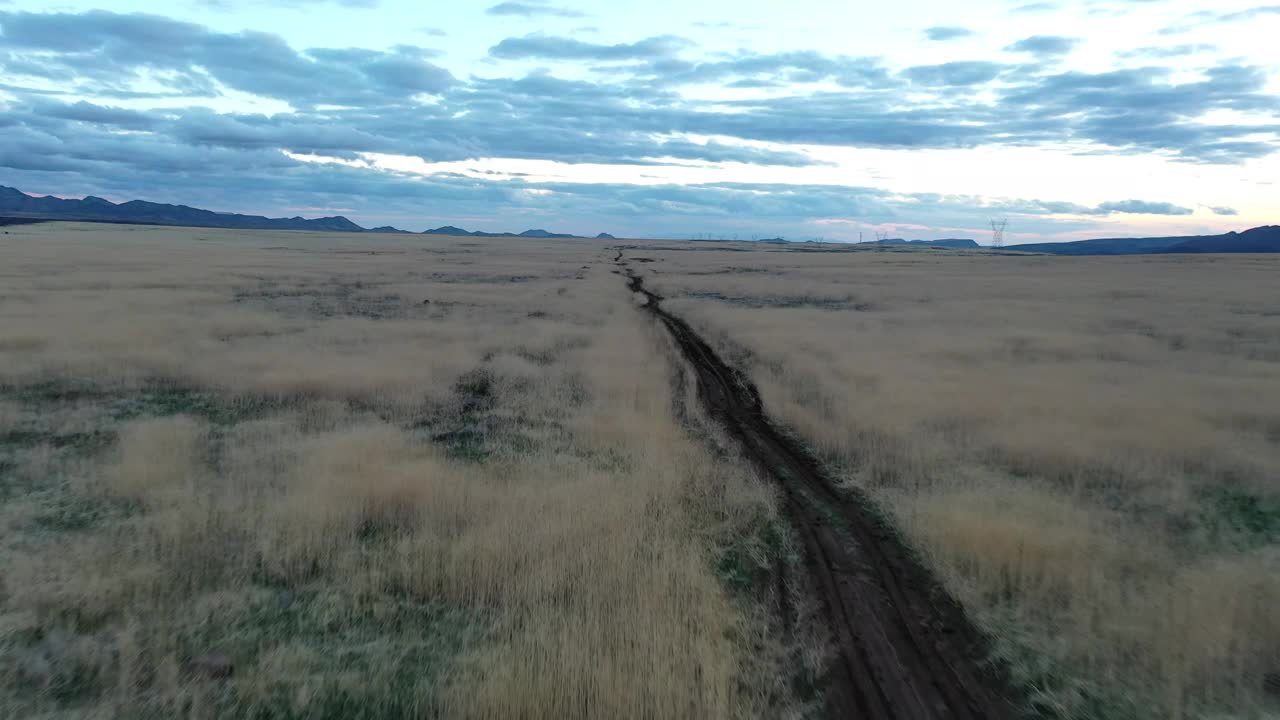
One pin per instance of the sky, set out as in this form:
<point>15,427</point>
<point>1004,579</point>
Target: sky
<point>803,119</point>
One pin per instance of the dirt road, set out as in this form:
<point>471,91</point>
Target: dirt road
<point>905,648</point>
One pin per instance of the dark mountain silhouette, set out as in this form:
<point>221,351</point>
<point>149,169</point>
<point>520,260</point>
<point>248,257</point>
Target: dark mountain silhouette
<point>948,243</point>
<point>605,236</point>
<point>1258,240</point>
<point>17,206</point>
<point>1264,239</point>
<point>446,230</point>
<point>543,234</point>
<point>459,232</point>
<point>14,203</point>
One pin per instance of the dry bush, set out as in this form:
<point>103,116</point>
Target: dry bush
<point>1087,449</point>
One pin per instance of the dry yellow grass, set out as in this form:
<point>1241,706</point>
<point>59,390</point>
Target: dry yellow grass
<point>267,450</point>
<point>1087,449</point>
<point>215,451</point>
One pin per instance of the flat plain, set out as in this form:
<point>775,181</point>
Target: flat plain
<point>279,474</point>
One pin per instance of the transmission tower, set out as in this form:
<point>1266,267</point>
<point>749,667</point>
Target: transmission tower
<point>997,232</point>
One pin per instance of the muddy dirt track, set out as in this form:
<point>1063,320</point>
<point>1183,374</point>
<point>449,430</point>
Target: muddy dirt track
<point>904,648</point>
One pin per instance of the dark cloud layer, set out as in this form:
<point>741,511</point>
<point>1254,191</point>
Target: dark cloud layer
<point>622,116</point>
<point>545,47</point>
<point>99,50</point>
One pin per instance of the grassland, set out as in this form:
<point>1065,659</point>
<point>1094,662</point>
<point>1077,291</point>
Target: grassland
<point>289,475</point>
<point>1087,451</point>
<point>318,475</point>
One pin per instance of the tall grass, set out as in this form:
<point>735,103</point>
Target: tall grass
<point>479,506</point>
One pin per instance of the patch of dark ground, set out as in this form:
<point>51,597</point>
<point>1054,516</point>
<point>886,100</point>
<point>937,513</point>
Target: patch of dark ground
<point>353,299</point>
<point>485,278</point>
<point>733,270</point>
<point>475,425</point>
<point>1237,519</point>
<point>904,648</point>
<point>157,398</point>
<point>787,301</point>
<point>547,356</point>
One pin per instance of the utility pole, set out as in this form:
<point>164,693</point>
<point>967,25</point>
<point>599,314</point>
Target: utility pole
<point>997,232</point>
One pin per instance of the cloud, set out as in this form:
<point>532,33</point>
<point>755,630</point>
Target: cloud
<point>533,8</point>
<point>799,66</point>
<point>253,179</point>
<point>942,33</point>
<point>1033,208</point>
<point>1044,45</point>
<point>1219,210</point>
<point>955,73</point>
<point>569,121</point>
<point>550,47</point>
<point>433,31</point>
<point>99,50</point>
<point>1139,207</point>
<point>99,115</point>
<point>625,104</point>
<point>1249,14</point>
<point>1168,51</point>
<point>623,115</point>
<point>1141,108</point>
<point>1202,18</point>
<point>232,4</point>
<point>1036,7</point>
<point>618,207</point>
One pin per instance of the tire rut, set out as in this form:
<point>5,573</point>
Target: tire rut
<point>905,649</point>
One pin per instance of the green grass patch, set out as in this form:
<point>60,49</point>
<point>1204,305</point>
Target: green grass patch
<point>303,654</point>
<point>746,565</point>
<point>1239,520</point>
<point>73,512</point>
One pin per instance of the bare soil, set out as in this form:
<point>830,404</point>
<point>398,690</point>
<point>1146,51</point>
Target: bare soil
<point>905,649</point>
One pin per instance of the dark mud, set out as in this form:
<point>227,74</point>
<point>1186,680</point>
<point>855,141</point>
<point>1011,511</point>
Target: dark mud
<point>904,648</point>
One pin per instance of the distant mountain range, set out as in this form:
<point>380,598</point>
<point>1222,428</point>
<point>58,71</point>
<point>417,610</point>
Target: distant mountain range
<point>459,232</point>
<point>1258,240</point>
<point>1264,239</point>
<point>17,205</point>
